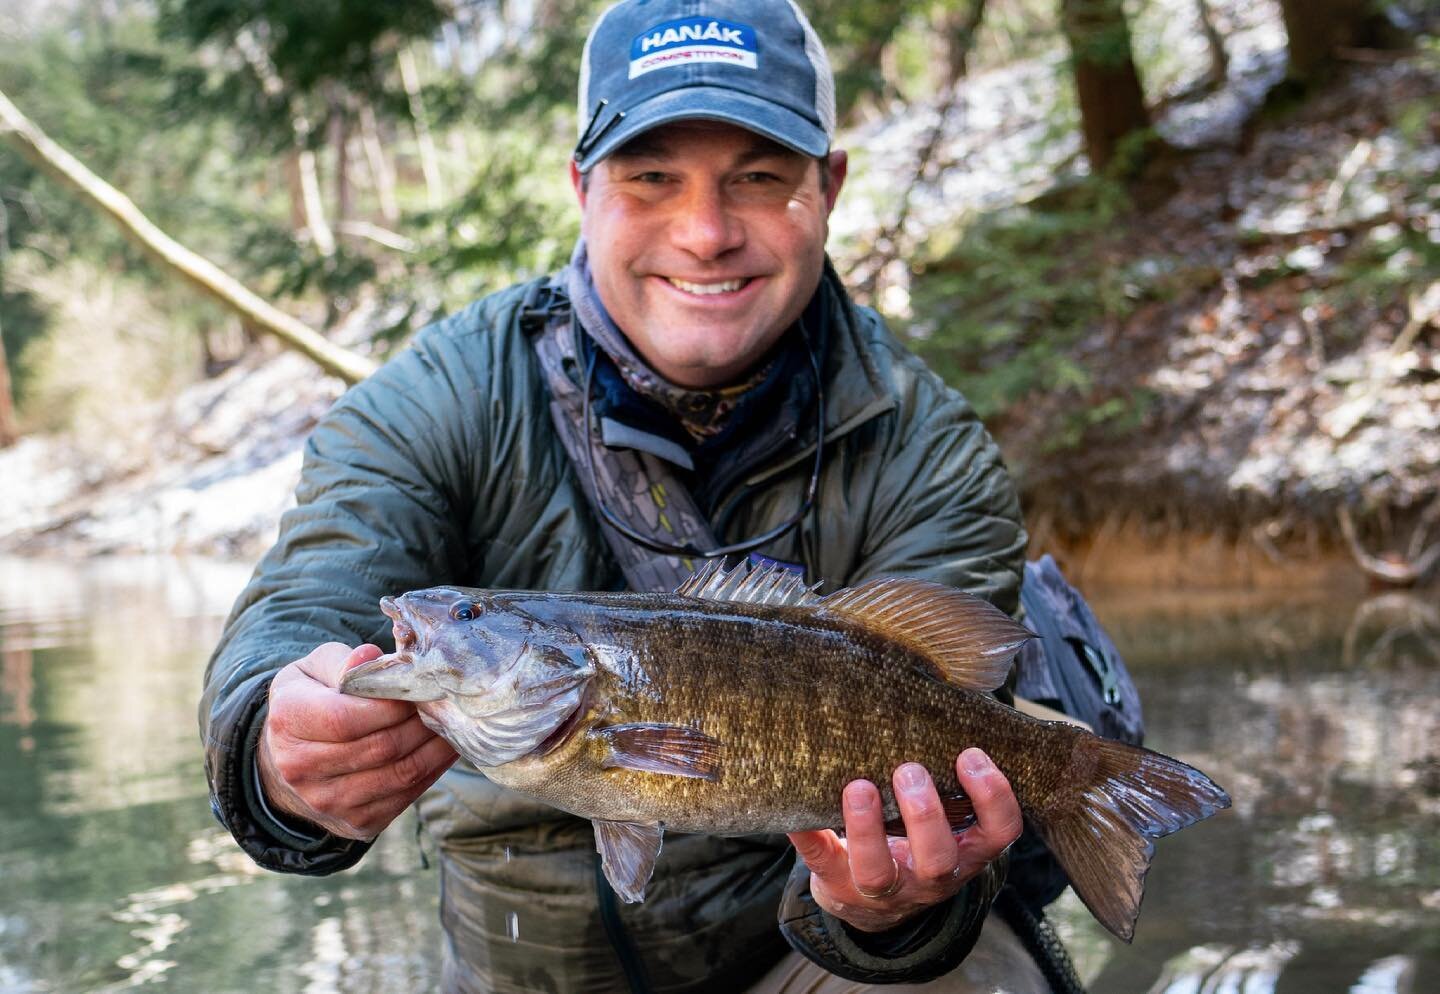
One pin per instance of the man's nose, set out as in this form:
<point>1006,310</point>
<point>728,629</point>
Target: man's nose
<point>705,225</point>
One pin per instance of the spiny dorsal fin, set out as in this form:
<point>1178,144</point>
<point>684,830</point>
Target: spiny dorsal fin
<point>967,640</point>
<point>746,584</point>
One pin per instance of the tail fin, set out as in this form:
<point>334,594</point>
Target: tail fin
<point>1102,832</point>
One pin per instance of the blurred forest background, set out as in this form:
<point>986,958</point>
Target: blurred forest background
<point>1183,255</point>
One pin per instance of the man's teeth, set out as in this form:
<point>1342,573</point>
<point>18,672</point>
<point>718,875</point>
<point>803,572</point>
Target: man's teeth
<point>729,286</point>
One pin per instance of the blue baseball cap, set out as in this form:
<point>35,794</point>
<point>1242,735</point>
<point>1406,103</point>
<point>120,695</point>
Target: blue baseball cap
<point>757,64</point>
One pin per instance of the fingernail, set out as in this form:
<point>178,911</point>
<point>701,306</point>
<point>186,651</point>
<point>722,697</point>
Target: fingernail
<point>913,778</point>
<point>976,763</point>
<point>860,799</point>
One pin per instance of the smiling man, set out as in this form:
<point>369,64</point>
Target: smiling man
<point>695,383</point>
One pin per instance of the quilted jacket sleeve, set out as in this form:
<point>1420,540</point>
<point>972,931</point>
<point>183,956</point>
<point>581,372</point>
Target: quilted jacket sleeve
<point>382,507</point>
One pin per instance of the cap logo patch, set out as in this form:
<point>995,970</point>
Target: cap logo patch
<point>691,41</point>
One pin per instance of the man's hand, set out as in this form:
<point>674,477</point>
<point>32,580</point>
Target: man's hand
<point>348,764</point>
<point>874,882</point>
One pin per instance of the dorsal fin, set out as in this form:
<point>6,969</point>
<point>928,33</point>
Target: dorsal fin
<point>746,584</point>
<point>968,641</point>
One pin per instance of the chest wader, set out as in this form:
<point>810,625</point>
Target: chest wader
<point>648,498</point>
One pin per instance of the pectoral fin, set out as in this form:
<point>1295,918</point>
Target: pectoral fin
<point>627,854</point>
<point>674,750</point>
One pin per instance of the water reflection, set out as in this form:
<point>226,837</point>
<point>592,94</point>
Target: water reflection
<point>1323,720</point>
<point>115,875</point>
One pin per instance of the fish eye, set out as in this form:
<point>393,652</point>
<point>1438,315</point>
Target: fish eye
<point>464,611</point>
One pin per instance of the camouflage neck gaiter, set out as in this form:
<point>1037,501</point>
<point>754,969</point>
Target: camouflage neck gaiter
<point>702,413</point>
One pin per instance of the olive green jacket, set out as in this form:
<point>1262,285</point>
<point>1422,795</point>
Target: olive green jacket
<point>444,468</point>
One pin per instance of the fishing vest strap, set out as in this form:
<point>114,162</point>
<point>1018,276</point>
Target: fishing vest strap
<point>637,487</point>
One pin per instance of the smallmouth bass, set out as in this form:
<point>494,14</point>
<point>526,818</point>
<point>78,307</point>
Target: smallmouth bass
<point>745,702</point>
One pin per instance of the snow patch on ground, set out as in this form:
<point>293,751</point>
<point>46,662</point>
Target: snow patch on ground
<point>209,472</point>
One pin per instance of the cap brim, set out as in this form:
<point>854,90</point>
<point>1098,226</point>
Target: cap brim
<point>713,103</point>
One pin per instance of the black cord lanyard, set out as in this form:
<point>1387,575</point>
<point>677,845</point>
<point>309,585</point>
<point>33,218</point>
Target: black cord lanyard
<point>749,545</point>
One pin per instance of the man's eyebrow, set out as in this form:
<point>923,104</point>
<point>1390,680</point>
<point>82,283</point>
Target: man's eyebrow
<point>644,147</point>
<point>762,149</point>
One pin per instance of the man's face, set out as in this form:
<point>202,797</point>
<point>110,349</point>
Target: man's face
<point>706,241</point>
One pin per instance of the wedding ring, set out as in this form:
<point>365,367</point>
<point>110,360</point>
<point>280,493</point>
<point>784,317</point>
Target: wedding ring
<point>888,891</point>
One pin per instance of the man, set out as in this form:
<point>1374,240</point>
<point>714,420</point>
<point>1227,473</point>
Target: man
<point>697,380</point>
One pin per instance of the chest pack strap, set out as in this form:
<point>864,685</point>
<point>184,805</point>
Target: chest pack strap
<point>635,486</point>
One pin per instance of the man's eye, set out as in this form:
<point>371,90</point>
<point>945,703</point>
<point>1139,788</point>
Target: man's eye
<point>759,177</point>
<point>650,177</point>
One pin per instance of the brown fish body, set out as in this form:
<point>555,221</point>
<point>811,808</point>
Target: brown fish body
<point>744,703</point>
<point>801,705</point>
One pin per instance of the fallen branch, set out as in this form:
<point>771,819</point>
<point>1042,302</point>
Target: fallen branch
<point>380,236</point>
<point>201,272</point>
<point>1392,571</point>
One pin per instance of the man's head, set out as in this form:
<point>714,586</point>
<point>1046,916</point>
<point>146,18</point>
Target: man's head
<point>706,177</point>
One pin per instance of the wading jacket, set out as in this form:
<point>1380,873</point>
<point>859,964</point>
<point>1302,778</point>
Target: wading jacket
<point>444,468</point>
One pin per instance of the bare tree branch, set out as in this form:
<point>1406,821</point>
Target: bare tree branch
<point>32,143</point>
<point>1396,572</point>
<point>889,241</point>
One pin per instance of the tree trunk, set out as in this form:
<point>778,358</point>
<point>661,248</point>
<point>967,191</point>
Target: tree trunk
<point>202,273</point>
<point>274,88</point>
<point>429,164</point>
<point>1219,60</point>
<point>9,429</point>
<point>1318,28</point>
<point>340,141</point>
<point>960,39</point>
<point>380,169</point>
<point>1112,104</point>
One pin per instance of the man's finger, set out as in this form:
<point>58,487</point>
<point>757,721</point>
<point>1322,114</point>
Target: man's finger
<point>933,855</point>
<point>371,819</point>
<point>998,820</point>
<point>823,853</point>
<point>328,663</point>
<point>376,750</point>
<point>399,778</point>
<point>872,869</point>
<point>305,710</point>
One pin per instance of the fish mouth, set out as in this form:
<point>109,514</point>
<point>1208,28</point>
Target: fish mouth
<point>407,639</point>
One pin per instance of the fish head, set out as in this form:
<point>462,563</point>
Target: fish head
<point>490,670</point>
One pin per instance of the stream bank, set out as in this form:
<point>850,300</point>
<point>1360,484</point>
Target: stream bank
<point>1266,367</point>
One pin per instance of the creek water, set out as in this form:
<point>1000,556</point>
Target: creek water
<point>1321,717</point>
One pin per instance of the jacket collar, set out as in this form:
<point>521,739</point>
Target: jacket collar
<point>854,388</point>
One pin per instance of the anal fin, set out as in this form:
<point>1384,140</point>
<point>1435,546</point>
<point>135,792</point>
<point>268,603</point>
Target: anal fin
<point>628,851</point>
<point>672,750</point>
<point>959,812</point>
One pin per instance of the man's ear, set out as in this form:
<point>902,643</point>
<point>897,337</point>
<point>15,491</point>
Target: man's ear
<point>839,162</point>
<point>577,181</point>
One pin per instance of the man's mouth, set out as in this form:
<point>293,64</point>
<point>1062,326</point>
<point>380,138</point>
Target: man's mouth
<point>708,289</point>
